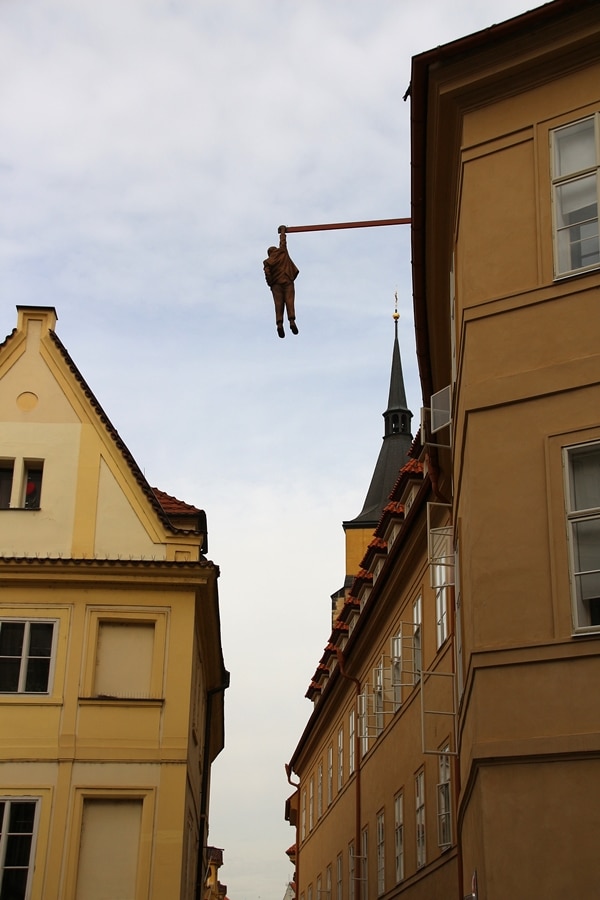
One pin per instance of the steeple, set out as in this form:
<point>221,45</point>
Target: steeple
<point>397,440</point>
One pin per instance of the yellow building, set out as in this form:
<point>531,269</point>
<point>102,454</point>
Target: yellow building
<point>462,668</point>
<point>111,670</point>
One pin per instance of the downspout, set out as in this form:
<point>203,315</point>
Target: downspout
<point>203,823</point>
<point>358,814</point>
<point>295,784</point>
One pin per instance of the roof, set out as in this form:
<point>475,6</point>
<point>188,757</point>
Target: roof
<point>395,448</point>
<point>173,506</point>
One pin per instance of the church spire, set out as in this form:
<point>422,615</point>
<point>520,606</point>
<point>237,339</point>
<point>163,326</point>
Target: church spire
<point>397,440</point>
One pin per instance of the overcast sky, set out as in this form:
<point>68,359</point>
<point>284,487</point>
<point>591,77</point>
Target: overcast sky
<point>148,151</point>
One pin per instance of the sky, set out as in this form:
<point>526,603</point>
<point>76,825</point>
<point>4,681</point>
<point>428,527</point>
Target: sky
<point>149,150</point>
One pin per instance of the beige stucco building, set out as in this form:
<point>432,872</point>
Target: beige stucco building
<point>473,628</point>
<point>111,670</point>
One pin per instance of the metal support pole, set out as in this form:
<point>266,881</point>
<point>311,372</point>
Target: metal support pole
<point>373,223</point>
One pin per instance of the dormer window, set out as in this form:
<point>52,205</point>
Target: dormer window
<point>21,483</point>
<point>32,485</point>
<point>7,468</point>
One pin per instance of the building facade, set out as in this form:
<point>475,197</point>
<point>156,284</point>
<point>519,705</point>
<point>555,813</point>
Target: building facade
<point>111,670</point>
<point>473,627</point>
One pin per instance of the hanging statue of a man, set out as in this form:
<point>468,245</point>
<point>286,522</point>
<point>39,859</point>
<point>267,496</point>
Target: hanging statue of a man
<point>280,274</point>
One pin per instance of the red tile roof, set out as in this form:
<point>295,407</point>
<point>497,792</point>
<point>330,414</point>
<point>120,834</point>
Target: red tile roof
<point>173,506</point>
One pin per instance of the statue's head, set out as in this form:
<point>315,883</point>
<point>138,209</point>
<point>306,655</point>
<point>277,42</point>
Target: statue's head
<point>271,250</point>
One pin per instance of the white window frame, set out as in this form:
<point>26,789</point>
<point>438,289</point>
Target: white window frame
<point>583,614</point>
<point>441,608</point>
<point>364,864</point>
<point>340,755</point>
<point>396,664</point>
<point>351,741</point>
<point>5,836</point>
<point>571,179</point>
<point>378,709</point>
<point>399,835</point>
<point>339,877</point>
<point>320,790</point>
<point>444,799</point>
<point>311,803</point>
<point>351,872</point>
<point>328,882</point>
<point>380,853</point>
<point>421,842</point>
<point>330,775</point>
<point>25,656</point>
<point>418,637</point>
<point>303,816</point>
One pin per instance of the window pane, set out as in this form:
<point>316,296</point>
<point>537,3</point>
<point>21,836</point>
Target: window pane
<point>585,470</point>
<point>11,638</point>
<point>6,477</point>
<point>576,201</point>
<point>21,818</point>
<point>574,148</point>
<point>586,535</point>
<point>14,884</point>
<point>40,639</point>
<point>38,671</point>
<point>33,486</point>
<point>9,675</point>
<point>17,850</point>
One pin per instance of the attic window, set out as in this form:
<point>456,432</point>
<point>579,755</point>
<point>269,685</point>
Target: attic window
<point>32,485</point>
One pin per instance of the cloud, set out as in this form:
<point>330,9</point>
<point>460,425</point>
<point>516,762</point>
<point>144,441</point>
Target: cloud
<point>148,152</point>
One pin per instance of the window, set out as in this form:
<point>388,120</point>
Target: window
<point>303,816</point>
<point>399,835</point>
<point>6,481</point>
<point>124,659</point>
<point>32,485</point>
<point>351,872</point>
<point>309,892</point>
<point>364,868</point>
<point>351,740</point>
<point>378,697</point>
<point>329,774</point>
<point>363,726</point>
<point>110,830</point>
<point>397,670</point>
<point>319,888</point>
<point>420,817</point>
<point>311,804</point>
<point>340,772</point>
<point>575,196</point>
<point>441,605</point>
<point>380,853</point>
<point>320,791</point>
<point>25,656</point>
<point>582,467</point>
<point>24,491</point>
<point>17,829</point>
<point>339,892</point>
<point>417,637</point>
<point>328,883</point>
<point>444,810</point>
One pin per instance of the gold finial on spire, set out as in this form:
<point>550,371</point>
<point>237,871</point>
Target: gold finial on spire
<point>396,315</point>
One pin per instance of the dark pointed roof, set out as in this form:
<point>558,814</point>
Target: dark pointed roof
<point>397,440</point>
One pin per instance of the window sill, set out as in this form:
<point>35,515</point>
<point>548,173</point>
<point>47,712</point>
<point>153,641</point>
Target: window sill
<point>105,700</point>
<point>12,698</point>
